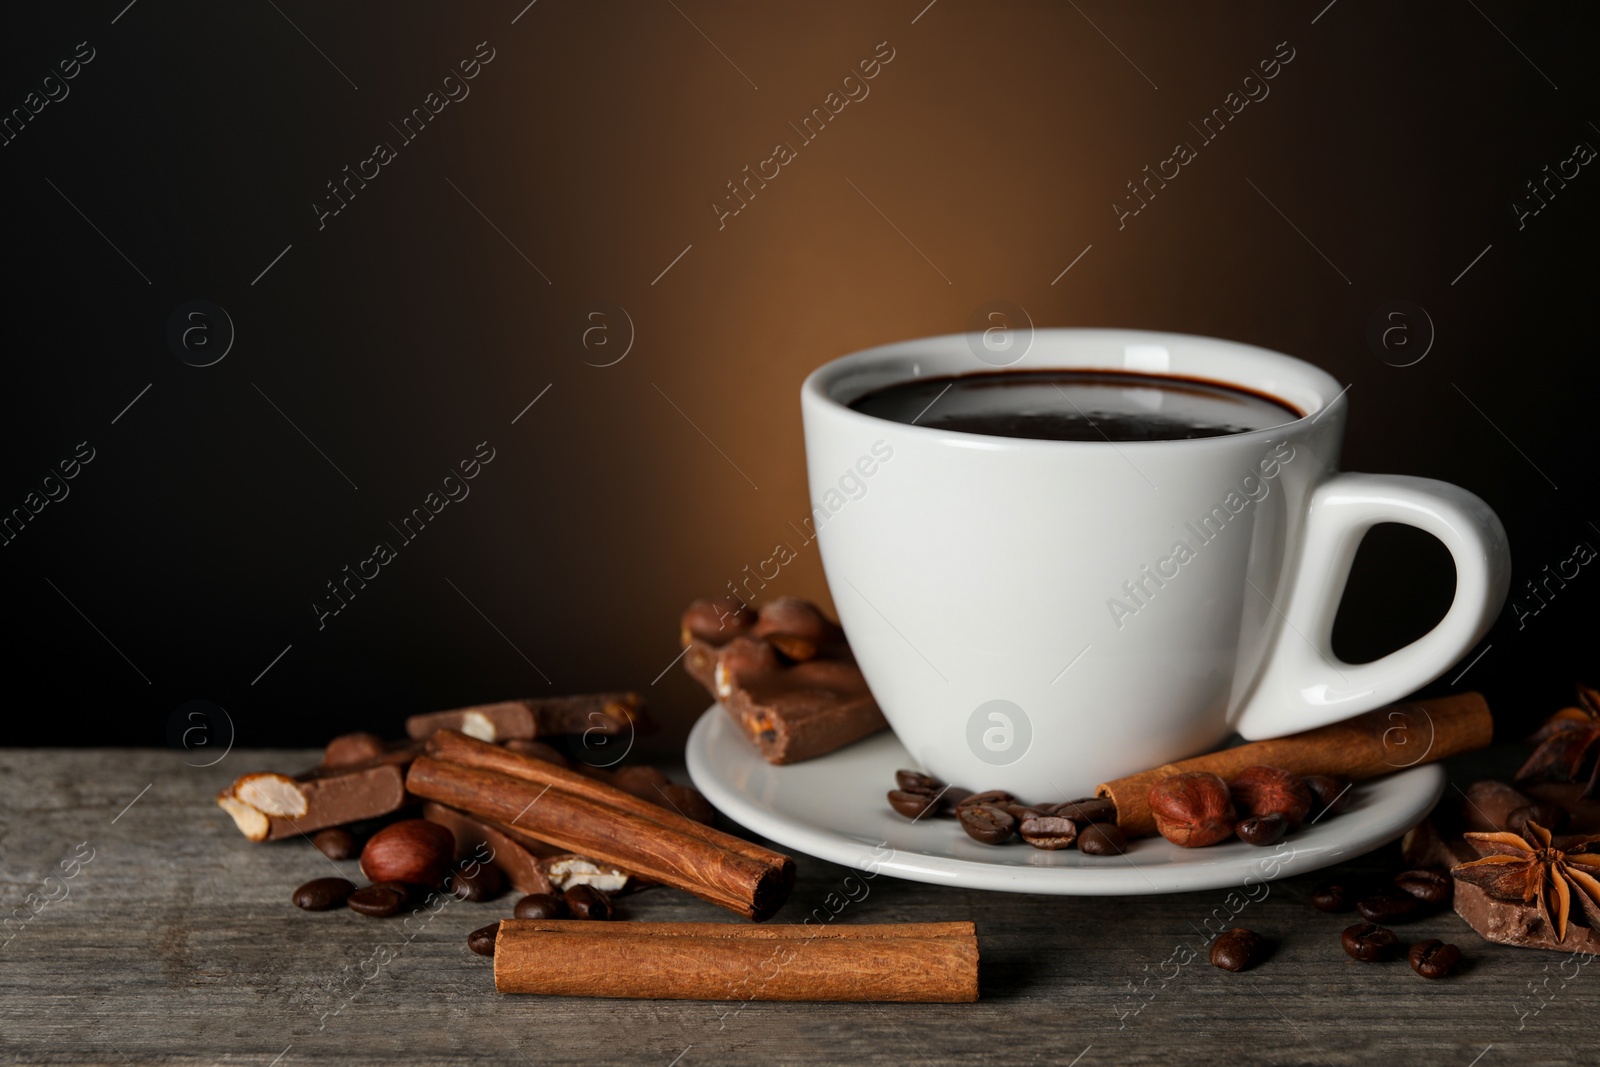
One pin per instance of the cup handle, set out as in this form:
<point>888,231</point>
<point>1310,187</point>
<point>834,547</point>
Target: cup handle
<point>1303,684</point>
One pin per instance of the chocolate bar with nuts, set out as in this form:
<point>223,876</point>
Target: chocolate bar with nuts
<point>267,806</point>
<point>608,714</point>
<point>784,673</point>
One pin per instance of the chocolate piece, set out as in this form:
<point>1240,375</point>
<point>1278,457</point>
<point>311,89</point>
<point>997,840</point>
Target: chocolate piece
<point>607,714</point>
<point>477,840</point>
<point>1510,922</point>
<point>269,806</point>
<point>1486,806</point>
<point>791,708</point>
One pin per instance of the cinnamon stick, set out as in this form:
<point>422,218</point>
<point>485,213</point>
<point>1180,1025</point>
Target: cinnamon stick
<point>654,844</point>
<point>458,748</point>
<point>1379,742</point>
<point>907,962</point>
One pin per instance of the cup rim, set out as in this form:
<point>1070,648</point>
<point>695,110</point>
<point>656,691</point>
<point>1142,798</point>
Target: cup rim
<point>1315,391</point>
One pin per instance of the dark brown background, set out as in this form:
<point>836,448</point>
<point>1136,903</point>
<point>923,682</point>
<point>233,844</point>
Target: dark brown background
<point>408,330</point>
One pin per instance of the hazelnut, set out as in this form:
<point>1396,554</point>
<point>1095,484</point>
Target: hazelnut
<point>1192,809</point>
<point>413,851</point>
<point>1272,791</point>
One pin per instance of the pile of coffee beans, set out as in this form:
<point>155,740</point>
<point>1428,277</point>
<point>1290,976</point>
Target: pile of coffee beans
<point>1408,896</point>
<point>996,817</point>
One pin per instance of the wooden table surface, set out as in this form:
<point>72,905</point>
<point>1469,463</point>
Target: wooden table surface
<point>176,943</point>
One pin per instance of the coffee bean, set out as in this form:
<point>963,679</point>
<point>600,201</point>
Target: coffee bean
<point>1433,958</point>
<point>1262,830</point>
<point>1087,810</point>
<point>952,798</point>
<point>587,902</point>
<point>986,823</point>
<point>1238,949</point>
<point>1389,906</point>
<point>484,883</point>
<point>1368,942</point>
<point>1049,832</point>
<point>912,805</point>
<point>337,843</point>
<point>380,900</point>
<point>1427,885</point>
<point>917,782</point>
<point>1023,812</point>
<point>540,906</point>
<point>323,894</point>
<point>990,796</point>
<point>1102,839</point>
<point>1332,897</point>
<point>481,940</point>
<point>1330,795</point>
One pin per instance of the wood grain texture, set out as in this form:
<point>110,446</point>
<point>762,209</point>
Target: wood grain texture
<point>176,943</point>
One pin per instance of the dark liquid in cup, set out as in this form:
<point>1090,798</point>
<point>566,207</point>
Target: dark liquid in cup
<point>1061,405</point>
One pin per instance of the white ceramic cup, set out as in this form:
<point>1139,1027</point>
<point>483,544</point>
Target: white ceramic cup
<point>978,577</point>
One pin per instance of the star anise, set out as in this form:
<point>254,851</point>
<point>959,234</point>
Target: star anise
<point>1568,740</point>
<point>1526,868</point>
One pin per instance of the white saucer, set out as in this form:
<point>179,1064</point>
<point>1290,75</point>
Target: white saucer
<point>834,808</point>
